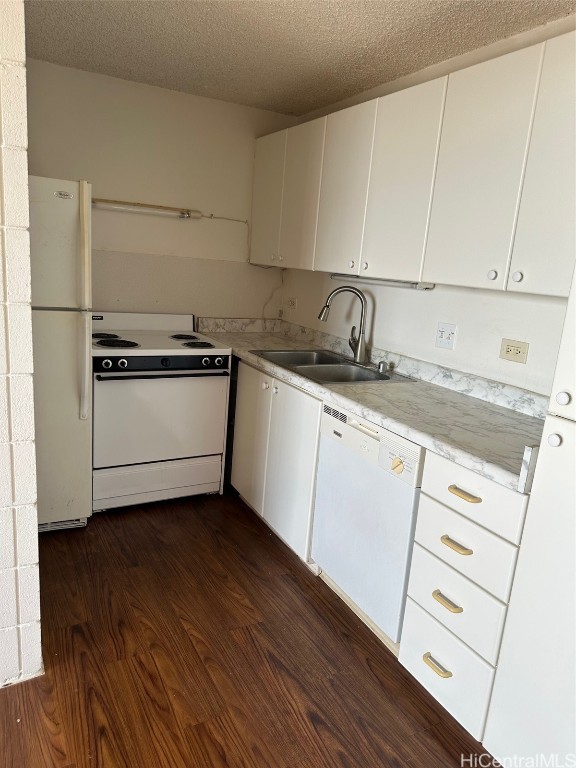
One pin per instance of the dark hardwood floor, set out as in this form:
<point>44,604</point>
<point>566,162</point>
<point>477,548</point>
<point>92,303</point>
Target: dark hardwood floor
<point>184,634</point>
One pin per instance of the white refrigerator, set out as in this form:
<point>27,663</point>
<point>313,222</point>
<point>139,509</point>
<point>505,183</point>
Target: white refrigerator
<point>532,713</point>
<point>60,251</point>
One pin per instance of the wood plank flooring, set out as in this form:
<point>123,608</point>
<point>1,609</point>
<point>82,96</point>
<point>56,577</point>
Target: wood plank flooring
<point>184,635</point>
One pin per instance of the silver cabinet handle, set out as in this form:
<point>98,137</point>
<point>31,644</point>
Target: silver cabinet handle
<point>275,390</point>
<point>517,277</point>
<point>492,274</point>
<point>554,440</point>
<point>351,264</point>
<point>265,385</point>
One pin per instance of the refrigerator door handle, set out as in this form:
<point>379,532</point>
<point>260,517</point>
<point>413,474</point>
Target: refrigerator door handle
<point>85,244</point>
<point>85,365</point>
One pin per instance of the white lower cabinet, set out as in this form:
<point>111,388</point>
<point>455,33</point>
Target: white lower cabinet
<point>475,552</point>
<point>456,676</point>
<point>456,602</point>
<point>460,579</point>
<point>275,452</point>
<point>252,423</point>
<point>533,706</point>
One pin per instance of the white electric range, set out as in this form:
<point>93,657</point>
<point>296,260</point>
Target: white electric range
<point>160,409</point>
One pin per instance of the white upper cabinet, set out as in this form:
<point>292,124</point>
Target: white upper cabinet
<point>485,133</point>
<point>545,242</point>
<point>406,142</point>
<point>302,170</point>
<point>267,198</point>
<point>344,188</point>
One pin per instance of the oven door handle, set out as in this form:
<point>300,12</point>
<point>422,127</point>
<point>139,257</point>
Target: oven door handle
<point>220,374</point>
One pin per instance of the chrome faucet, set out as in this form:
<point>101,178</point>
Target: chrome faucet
<point>357,343</point>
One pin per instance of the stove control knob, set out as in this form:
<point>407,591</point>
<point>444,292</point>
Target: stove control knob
<point>123,363</point>
<point>107,363</point>
<point>205,361</point>
<point>219,361</point>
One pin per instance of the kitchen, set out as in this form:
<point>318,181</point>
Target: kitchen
<point>136,142</point>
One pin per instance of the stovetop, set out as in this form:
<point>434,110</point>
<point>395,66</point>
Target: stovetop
<point>130,334</point>
<point>131,342</point>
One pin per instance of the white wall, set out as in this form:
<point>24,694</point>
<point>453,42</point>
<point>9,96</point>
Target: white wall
<point>405,321</point>
<point>20,649</point>
<point>141,143</point>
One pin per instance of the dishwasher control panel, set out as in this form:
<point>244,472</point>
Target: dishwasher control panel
<point>392,453</point>
<point>401,457</point>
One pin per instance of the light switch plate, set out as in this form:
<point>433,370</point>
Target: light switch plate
<point>446,335</point>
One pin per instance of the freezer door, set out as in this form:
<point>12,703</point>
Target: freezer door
<point>60,243</point>
<point>63,438</point>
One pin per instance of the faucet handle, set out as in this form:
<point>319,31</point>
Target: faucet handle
<point>353,340</point>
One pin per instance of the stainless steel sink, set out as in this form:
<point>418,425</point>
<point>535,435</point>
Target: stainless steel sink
<point>293,357</point>
<point>325,366</point>
<point>343,372</point>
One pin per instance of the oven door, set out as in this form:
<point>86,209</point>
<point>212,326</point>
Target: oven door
<point>140,418</point>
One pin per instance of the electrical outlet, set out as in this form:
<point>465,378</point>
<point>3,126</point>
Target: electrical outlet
<point>291,302</point>
<point>516,351</point>
<point>446,335</point>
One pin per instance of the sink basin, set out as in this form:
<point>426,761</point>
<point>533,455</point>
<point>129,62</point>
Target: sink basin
<point>322,365</point>
<point>294,357</point>
<point>342,372</point>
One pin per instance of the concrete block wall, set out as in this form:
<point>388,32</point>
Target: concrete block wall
<point>20,647</point>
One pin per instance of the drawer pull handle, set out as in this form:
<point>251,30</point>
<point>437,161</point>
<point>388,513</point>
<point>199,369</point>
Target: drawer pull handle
<point>435,667</point>
<point>448,604</point>
<point>455,546</point>
<point>469,497</point>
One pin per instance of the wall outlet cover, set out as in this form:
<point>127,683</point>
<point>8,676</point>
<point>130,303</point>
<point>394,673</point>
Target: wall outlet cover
<point>516,351</point>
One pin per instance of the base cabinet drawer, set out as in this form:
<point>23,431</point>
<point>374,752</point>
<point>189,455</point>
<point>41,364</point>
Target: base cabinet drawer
<point>469,612</point>
<point>483,557</point>
<point>487,503</point>
<point>456,676</point>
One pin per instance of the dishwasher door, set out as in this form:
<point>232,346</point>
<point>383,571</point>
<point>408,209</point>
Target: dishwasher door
<point>365,515</point>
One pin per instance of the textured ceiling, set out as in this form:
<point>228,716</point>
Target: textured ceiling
<point>290,56</point>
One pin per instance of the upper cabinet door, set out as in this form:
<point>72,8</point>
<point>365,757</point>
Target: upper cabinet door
<point>345,174</point>
<point>301,195</point>
<point>485,132</point>
<point>545,242</point>
<point>406,142</point>
<point>267,198</point>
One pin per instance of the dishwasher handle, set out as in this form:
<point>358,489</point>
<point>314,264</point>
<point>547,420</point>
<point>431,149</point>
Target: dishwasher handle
<point>366,430</point>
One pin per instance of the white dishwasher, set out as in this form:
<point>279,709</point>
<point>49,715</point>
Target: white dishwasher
<point>367,492</point>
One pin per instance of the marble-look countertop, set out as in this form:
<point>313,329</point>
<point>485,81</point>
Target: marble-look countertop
<point>486,438</point>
